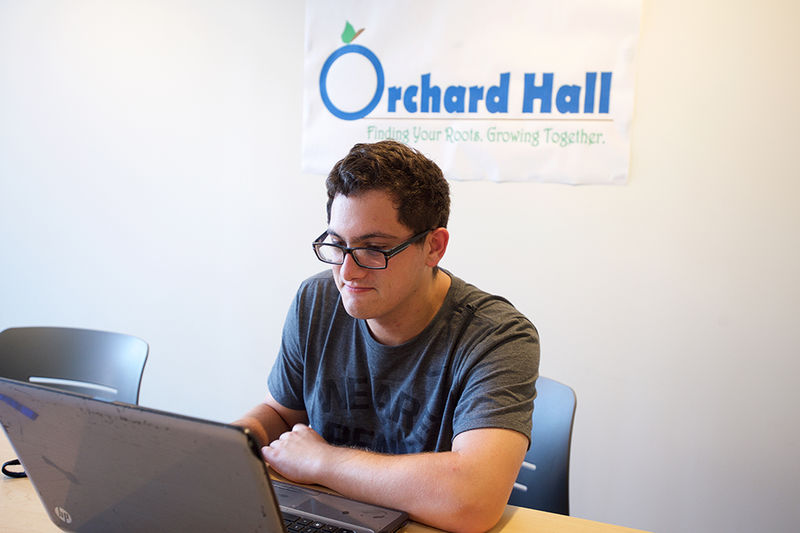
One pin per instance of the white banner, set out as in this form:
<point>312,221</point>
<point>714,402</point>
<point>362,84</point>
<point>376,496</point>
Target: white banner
<point>502,90</point>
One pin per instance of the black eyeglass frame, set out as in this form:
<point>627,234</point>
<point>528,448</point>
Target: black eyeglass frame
<point>387,254</point>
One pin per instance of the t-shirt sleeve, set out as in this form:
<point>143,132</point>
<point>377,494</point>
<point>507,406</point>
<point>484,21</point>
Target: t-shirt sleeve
<point>499,376</point>
<point>286,377</point>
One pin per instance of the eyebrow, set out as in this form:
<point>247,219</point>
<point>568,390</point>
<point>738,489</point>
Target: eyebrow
<point>365,237</point>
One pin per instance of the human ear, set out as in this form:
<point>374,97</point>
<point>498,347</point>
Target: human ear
<point>436,246</point>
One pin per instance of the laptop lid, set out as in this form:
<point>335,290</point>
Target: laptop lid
<point>102,466</point>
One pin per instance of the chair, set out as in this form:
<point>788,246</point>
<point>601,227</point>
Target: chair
<point>543,480</point>
<point>100,364</point>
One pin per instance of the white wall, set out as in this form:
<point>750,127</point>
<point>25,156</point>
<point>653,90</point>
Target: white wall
<point>150,183</point>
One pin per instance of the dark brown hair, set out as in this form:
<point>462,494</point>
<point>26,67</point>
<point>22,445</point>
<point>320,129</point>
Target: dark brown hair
<point>416,184</point>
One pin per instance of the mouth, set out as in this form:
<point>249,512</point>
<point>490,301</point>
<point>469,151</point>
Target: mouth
<point>355,289</point>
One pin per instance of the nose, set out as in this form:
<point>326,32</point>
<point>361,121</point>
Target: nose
<point>349,269</point>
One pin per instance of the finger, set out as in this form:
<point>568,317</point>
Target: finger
<point>266,451</point>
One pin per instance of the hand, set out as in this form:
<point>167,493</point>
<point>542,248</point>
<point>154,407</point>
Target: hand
<point>299,454</point>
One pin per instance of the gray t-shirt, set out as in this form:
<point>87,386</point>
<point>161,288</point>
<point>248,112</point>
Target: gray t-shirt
<point>474,366</point>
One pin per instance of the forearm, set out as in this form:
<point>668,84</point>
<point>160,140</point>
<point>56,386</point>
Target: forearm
<point>264,422</point>
<point>446,489</point>
<point>465,489</point>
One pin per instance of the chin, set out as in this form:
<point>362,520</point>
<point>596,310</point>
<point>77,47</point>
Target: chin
<point>357,311</point>
<point>360,307</point>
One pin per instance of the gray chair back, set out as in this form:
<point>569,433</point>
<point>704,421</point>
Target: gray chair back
<point>101,364</point>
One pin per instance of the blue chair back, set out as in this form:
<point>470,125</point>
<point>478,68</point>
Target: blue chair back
<point>543,481</point>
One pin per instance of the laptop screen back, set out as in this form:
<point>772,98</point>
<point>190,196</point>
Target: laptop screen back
<point>100,466</point>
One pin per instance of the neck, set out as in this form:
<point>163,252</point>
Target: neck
<point>392,332</point>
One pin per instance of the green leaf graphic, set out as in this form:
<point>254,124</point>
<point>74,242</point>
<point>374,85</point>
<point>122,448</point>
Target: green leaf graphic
<point>349,33</point>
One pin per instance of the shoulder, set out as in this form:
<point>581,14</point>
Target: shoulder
<point>483,306</point>
<point>320,278</point>
<point>321,283</point>
<point>315,294</point>
<point>486,325</point>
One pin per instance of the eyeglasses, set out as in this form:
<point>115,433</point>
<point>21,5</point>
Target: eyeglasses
<point>372,258</point>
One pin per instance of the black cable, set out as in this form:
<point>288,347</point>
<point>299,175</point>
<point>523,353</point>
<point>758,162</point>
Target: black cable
<point>13,473</point>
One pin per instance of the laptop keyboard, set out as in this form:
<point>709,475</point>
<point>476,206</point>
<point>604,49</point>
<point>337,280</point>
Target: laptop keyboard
<point>298,524</point>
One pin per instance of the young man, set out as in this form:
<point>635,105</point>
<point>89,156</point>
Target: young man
<point>397,383</point>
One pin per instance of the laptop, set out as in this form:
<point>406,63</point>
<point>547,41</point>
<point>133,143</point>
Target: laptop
<point>108,466</point>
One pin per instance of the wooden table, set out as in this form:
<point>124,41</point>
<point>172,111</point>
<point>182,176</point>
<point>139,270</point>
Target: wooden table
<point>22,512</point>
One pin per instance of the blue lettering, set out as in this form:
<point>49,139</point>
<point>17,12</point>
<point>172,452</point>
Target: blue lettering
<point>591,81</point>
<point>395,93</point>
<point>323,81</point>
<point>605,91</point>
<point>475,96</point>
<point>454,97</point>
<point>430,96</point>
<point>568,99</point>
<point>408,99</point>
<point>543,93</point>
<point>497,96</point>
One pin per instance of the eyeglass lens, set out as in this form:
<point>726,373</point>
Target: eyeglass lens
<point>364,257</point>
